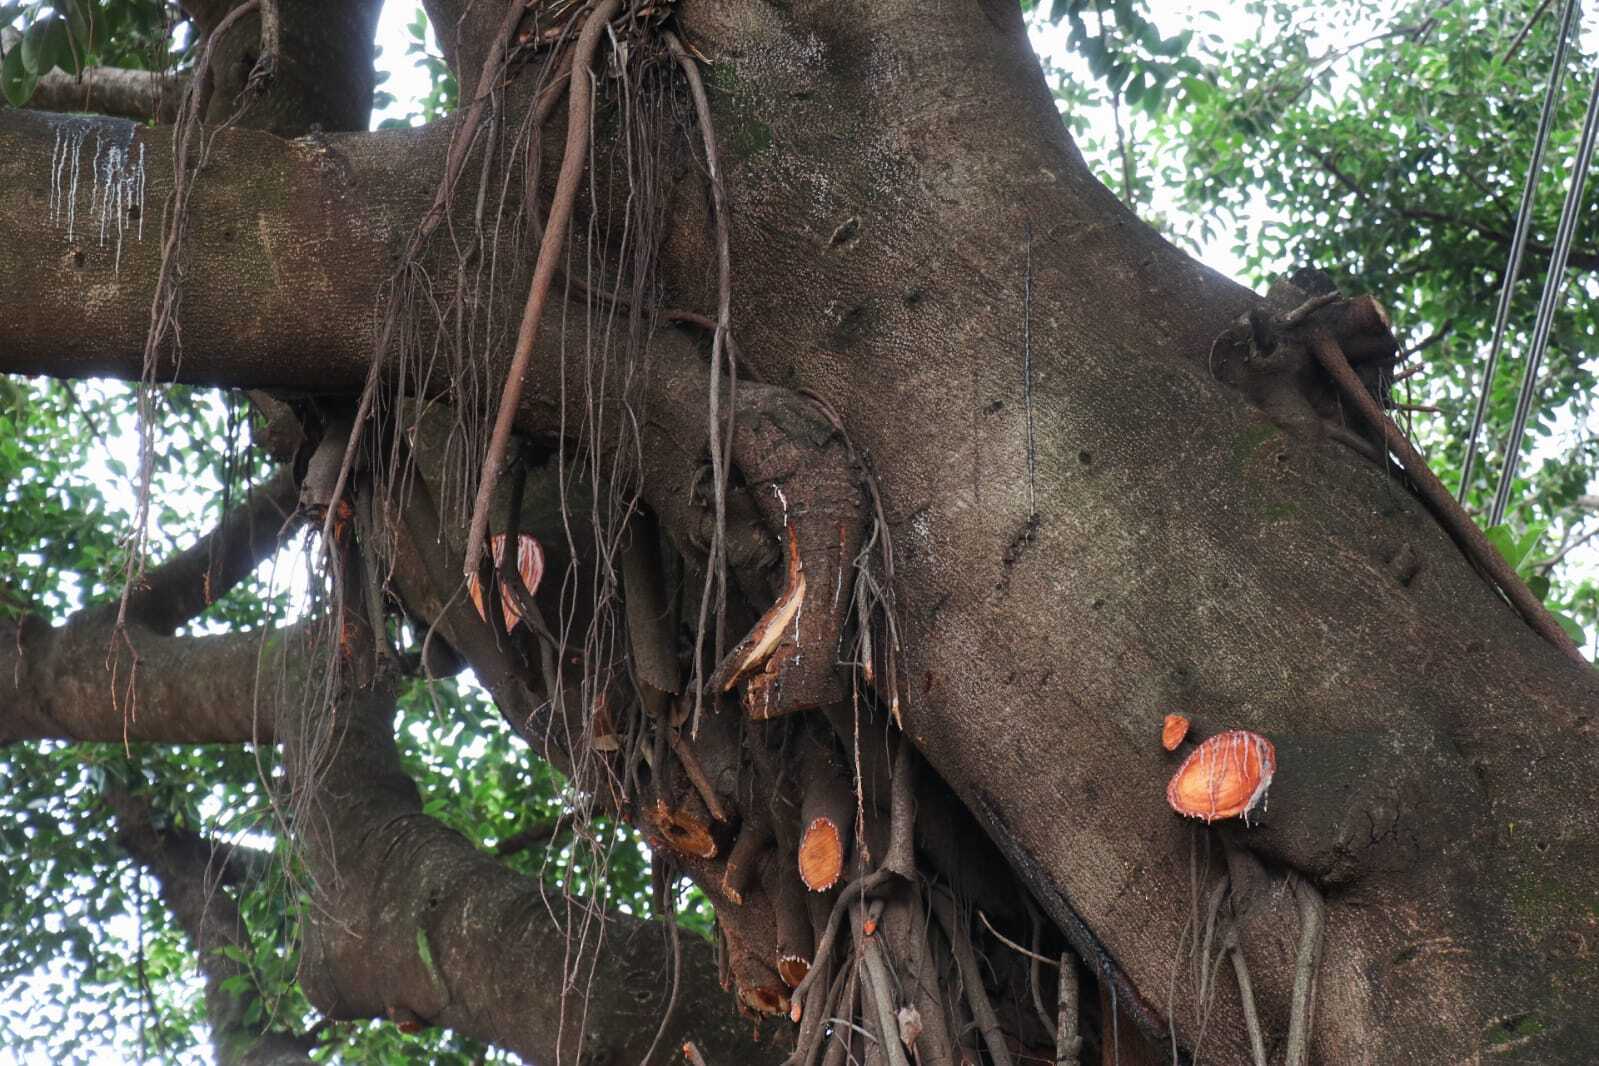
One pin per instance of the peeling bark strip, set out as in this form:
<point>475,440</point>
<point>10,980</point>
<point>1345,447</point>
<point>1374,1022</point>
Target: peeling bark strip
<point>764,648</point>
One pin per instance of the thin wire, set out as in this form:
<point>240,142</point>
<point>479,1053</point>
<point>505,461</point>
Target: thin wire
<point>1552,290</point>
<point>1518,243</point>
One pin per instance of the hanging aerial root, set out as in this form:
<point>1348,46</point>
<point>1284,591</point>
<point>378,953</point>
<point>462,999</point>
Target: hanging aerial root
<point>1439,500</point>
<point>1068,1042</point>
<point>580,99</point>
<point>1246,995</point>
<point>461,142</point>
<point>879,992</point>
<point>972,980</point>
<point>1302,1013</point>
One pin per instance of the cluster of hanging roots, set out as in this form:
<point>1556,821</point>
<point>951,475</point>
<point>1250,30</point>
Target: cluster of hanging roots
<point>849,895</point>
<point>854,897</point>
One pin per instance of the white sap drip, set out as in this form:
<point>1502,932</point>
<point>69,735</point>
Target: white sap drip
<point>119,188</point>
<point>117,172</point>
<point>65,155</point>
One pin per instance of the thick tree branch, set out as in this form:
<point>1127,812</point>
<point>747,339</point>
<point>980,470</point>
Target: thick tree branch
<point>191,873</point>
<point>79,681</point>
<point>141,95</point>
<point>189,582</point>
<point>85,680</point>
<point>408,911</point>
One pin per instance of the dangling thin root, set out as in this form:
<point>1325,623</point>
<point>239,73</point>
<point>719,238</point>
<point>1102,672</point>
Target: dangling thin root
<point>580,105</point>
<point>454,163</point>
<point>721,450</point>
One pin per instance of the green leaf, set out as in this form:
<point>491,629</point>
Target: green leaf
<point>59,49</point>
<point>236,985</point>
<point>16,81</point>
<point>80,22</point>
<point>37,55</point>
<point>1573,630</point>
<point>1516,549</point>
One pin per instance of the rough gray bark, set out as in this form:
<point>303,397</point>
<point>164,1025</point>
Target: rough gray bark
<point>884,164</point>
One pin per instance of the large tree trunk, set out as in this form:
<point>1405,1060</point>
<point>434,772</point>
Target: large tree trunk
<point>1088,529</point>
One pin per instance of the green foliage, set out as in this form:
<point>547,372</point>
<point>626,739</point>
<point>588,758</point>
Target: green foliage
<point>1123,48</point>
<point>68,35</point>
<point>90,959</point>
<point>443,91</point>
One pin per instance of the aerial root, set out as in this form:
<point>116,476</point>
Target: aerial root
<point>1312,923</point>
<point>461,142</point>
<point>1068,1041</point>
<point>972,979</point>
<point>1439,500</point>
<point>1246,994</point>
<point>580,95</point>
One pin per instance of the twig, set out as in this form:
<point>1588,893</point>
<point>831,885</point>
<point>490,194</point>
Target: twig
<point>580,107</point>
<point>1306,309</point>
<point>692,1053</point>
<point>1008,942</point>
<point>664,883</point>
<point>1443,506</point>
<point>1068,1042</point>
<point>1515,45</point>
<point>1424,408</point>
<point>517,843</point>
<point>696,774</point>
<point>1422,345</point>
<point>1566,549</point>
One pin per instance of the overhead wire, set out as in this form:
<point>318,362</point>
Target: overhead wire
<point>1549,303</point>
<point>1518,242</point>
